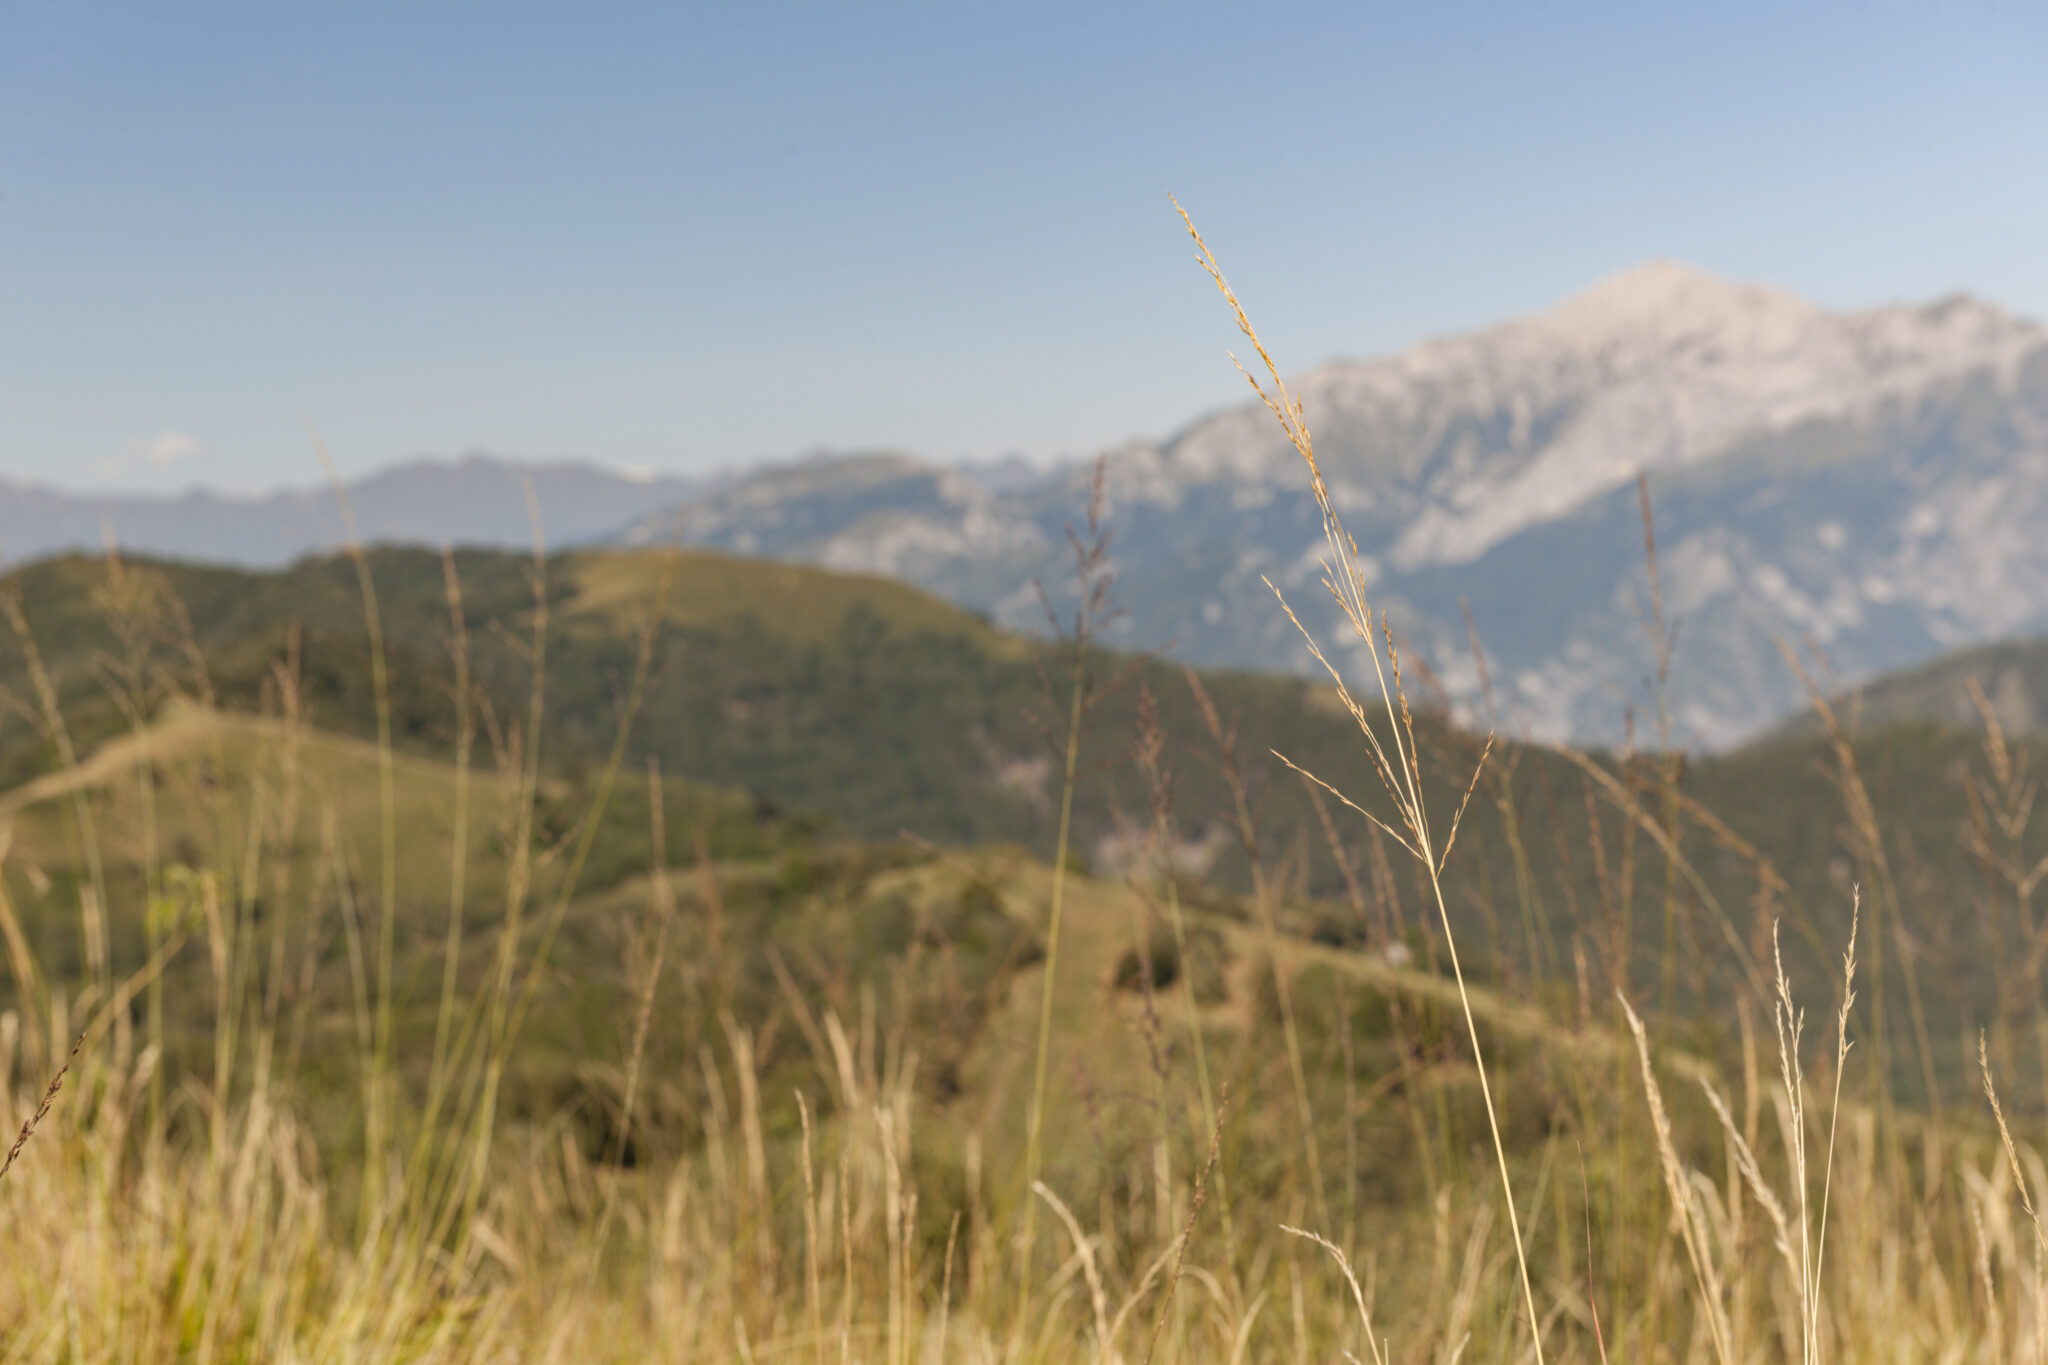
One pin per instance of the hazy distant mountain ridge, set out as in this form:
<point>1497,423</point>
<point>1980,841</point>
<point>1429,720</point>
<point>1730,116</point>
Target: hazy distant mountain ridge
<point>1873,483</point>
<point>477,500</point>
<point>2010,680</point>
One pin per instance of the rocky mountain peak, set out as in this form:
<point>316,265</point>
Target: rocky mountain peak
<point>1663,305</point>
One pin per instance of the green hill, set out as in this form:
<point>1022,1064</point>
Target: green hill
<point>788,706</point>
<point>859,699</point>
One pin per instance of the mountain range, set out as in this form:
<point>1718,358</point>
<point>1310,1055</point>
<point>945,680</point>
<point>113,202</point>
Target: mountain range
<point>1867,489</point>
<point>475,500</point>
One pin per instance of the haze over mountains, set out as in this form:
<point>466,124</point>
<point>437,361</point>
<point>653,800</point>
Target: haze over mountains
<point>475,500</point>
<point>1873,484</point>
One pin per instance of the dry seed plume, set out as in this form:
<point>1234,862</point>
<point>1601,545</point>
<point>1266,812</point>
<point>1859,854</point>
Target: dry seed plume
<point>1401,770</point>
<point>1805,1261</point>
<point>29,1126</point>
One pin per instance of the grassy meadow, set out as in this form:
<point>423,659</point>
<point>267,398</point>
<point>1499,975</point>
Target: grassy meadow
<point>666,957</point>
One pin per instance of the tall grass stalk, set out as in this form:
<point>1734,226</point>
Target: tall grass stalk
<point>1867,846</point>
<point>1668,761</point>
<point>379,1117</point>
<point>520,751</point>
<point>47,714</point>
<point>1093,581</point>
<point>458,856</point>
<point>1035,1120</point>
<point>1399,772</point>
<point>1692,1220</point>
<point>1151,756</point>
<point>1263,895</point>
<point>41,1112</point>
<point>511,1012</point>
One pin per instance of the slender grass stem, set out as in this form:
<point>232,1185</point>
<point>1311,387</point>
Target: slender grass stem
<point>1035,1120</point>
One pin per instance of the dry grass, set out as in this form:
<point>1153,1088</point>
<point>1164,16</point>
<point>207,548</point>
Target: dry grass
<point>1399,768</point>
<point>1516,1183</point>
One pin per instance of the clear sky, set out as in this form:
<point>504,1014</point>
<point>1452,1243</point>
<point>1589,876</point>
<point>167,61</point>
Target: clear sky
<point>691,236</point>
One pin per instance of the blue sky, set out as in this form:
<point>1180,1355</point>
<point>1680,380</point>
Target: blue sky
<point>689,237</point>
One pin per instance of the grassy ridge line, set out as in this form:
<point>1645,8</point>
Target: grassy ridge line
<point>1108,918</point>
<point>887,710</point>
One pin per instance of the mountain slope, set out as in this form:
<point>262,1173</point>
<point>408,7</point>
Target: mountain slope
<point>859,698</point>
<point>1867,481</point>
